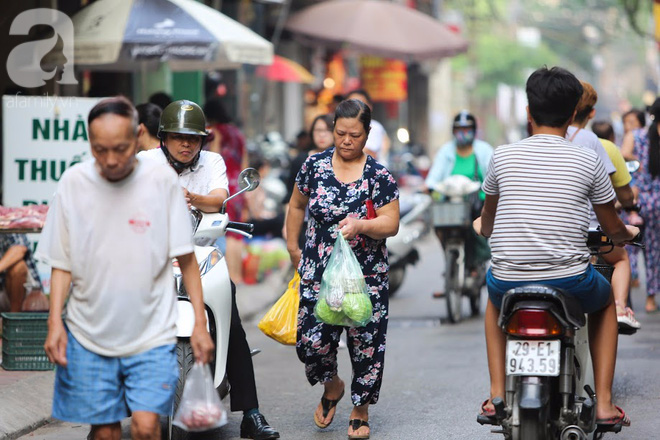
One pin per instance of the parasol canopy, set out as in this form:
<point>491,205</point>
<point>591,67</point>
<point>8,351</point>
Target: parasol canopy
<point>116,35</point>
<point>285,70</point>
<point>375,27</point>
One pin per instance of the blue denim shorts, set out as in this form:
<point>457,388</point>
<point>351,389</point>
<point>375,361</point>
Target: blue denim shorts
<point>100,390</point>
<point>590,288</point>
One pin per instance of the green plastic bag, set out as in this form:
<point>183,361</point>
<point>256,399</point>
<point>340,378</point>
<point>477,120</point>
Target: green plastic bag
<point>344,296</point>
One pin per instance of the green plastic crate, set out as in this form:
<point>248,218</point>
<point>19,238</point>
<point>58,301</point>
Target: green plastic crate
<point>23,337</point>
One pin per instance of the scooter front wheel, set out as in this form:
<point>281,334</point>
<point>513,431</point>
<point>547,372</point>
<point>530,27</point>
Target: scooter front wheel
<point>452,287</point>
<point>185,360</point>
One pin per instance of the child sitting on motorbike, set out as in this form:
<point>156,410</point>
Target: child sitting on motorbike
<point>536,213</point>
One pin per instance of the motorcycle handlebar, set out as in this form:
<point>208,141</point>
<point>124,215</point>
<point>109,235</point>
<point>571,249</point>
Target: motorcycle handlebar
<point>246,228</point>
<point>597,239</point>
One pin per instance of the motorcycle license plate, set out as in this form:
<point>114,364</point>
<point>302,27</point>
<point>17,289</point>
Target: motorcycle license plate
<point>532,358</point>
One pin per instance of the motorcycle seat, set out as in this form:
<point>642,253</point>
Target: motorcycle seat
<point>568,305</point>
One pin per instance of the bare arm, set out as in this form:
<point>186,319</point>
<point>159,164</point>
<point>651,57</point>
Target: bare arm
<point>625,196</point>
<point>212,202</point>
<point>386,223</point>
<point>612,224</point>
<point>628,146</point>
<point>13,255</point>
<point>200,339</point>
<point>295,216</point>
<point>484,224</point>
<point>56,341</point>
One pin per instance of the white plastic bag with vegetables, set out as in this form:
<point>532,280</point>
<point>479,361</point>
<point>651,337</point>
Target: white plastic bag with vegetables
<point>344,296</point>
<point>200,408</point>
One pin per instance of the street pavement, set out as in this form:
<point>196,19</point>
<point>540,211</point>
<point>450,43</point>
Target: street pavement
<point>435,376</point>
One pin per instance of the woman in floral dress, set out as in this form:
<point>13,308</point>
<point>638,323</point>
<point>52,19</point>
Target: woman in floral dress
<point>644,145</point>
<point>336,186</point>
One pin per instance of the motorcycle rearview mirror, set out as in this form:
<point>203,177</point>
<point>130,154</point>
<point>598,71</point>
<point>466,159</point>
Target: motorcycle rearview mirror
<point>632,165</point>
<point>248,180</point>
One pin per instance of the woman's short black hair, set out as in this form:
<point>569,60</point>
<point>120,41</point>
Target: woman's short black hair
<point>353,108</point>
<point>552,95</point>
<point>327,118</point>
<point>149,115</point>
<point>639,114</point>
<point>117,105</point>
<point>215,111</point>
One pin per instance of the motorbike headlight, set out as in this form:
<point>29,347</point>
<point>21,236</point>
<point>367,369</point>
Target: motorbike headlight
<point>209,262</point>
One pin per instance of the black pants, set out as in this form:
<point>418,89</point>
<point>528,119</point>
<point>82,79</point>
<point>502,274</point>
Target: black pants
<point>240,371</point>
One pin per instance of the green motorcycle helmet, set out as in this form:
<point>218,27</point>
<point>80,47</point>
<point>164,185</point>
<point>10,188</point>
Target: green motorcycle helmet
<point>183,117</point>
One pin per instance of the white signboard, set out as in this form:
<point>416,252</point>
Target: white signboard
<point>42,137</point>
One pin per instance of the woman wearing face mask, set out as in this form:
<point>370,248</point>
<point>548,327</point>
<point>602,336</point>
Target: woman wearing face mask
<point>466,156</point>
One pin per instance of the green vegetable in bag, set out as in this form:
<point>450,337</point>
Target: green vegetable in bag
<point>325,314</point>
<point>357,307</point>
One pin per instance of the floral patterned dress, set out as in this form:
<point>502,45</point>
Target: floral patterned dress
<point>330,201</point>
<point>649,201</point>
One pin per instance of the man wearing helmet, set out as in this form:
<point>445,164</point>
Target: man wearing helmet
<point>203,176</point>
<point>467,156</point>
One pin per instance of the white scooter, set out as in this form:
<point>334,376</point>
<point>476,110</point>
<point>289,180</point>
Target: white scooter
<point>216,286</point>
<point>415,223</point>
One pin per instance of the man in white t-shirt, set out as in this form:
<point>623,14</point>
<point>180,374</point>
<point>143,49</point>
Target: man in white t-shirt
<point>203,176</point>
<point>536,213</point>
<point>112,230</point>
<point>378,142</point>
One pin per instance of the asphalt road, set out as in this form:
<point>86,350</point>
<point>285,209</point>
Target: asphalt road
<point>435,376</point>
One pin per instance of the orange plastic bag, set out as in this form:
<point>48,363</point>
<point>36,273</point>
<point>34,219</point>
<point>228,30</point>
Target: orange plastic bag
<point>281,321</point>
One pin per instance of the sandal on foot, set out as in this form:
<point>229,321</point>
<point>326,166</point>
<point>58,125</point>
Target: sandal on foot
<point>487,412</point>
<point>327,405</point>
<point>357,424</point>
<point>622,419</point>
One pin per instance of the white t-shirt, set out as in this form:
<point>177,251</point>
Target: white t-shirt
<point>588,139</point>
<point>545,184</point>
<point>117,240</point>
<point>210,172</point>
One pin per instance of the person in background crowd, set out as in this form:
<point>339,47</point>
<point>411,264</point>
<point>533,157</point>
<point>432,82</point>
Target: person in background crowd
<point>148,118</point>
<point>524,199</point>
<point>202,174</point>
<point>353,178</point>
<point>378,143</point>
<point>466,156</point>
<point>633,119</point>
<point>336,100</point>
<point>228,140</point>
<point>161,99</point>
<point>115,349</point>
<point>16,264</point>
<point>643,144</point>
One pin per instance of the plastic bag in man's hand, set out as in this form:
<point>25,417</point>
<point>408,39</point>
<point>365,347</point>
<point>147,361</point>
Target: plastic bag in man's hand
<point>344,297</point>
<point>200,408</point>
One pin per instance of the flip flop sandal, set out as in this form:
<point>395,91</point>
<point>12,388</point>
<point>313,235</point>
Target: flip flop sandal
<point>487,412</point>
<point>357,424</point>
<point>327,405</point>
<point>622,420</point>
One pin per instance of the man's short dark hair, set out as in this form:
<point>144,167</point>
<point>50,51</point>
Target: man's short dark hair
<point>117,105</point>
<point>603,129</point>
<point>552,95</point>
<point>149,115</point>
<point>161,99</point>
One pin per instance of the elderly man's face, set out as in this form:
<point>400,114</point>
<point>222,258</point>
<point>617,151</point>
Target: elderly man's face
<point>114,145</point>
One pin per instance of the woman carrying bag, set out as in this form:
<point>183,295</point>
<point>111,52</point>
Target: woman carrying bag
<point>347,192</point>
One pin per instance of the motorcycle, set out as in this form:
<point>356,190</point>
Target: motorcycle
<point>216,285</point>
<point>452,218</point>
<point>415,223</point>
<point>549,377</point>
